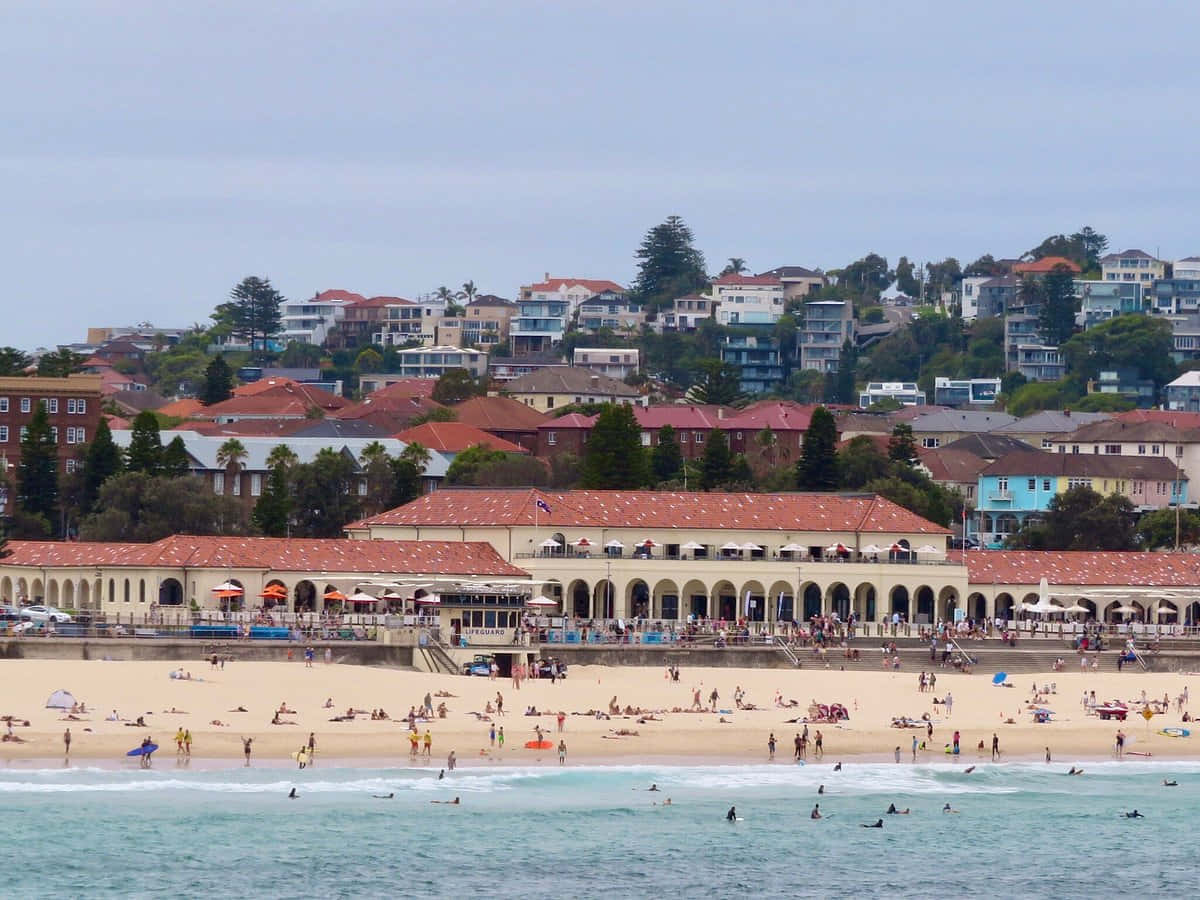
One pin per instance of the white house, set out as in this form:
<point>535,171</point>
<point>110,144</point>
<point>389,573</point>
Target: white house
<point>309,321</point>
<point>747,299</point>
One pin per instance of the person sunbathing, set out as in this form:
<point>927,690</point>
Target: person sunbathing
<point>219,723</point>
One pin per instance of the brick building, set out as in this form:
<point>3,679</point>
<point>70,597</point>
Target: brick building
<point>73,407</point>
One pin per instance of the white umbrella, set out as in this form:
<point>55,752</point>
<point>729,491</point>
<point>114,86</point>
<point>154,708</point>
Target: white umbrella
<point>871,548</point>
<point>750,547</point>
<point>1126,608</point>
<point>430,600</point>
<point>549,544</point>
<point>692,545</point>
<point>614,545</point>
<point>228,586</point>
<point>731,546</point>
<point>928,548</point>
<point>1029,607</point>
<point>791,548</point>
<point>1164,609</point>
<point>1076,608</point>
<point>541,601</point>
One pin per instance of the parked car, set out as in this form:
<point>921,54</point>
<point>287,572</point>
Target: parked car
<point>964,544</point>
<point>40,613</point>
<point>480,665</point>
<point>10,614</point>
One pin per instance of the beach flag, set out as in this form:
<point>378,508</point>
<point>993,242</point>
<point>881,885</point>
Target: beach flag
<point>542,505</point>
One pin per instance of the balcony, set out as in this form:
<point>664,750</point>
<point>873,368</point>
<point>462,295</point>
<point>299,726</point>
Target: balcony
<point>999,496</point>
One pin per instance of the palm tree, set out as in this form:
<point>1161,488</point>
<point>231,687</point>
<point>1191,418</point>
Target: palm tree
<point>282,455</point>
<point>444,294</point>
<point>1030,291</point>
<point>417,454</point>
<point>230,456</point>
<point>468,292</point>
<point>737,265</point>
<point>373,452</point>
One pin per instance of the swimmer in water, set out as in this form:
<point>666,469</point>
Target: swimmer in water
<point>1171,783</point>
<point>821,789</point>
<point>667,802</point>
<point>878,824</point>
<point>293,795</point>
<point>816,813</point>
<point>653,787</point>
<point>838,768</point>
<point>441,774</point>
<point>1134,815</point>
<point>383,796</point>
<point>731,816</point>
<point>969,770</point>
<point>949,809</point>
<point>892,811</point>
<point>454,802</point>
<point>1075,771</point>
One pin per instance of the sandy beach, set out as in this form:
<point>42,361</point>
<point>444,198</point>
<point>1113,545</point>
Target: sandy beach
<point>146,689</point>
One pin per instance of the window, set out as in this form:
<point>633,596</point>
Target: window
<point>237,484</point>
<point>683,436</point>
<point>1047,443</point>
<point>580,399</point>
<point>739,435</point>
<point>70,466</point>
<point>645,439</point>
<point>70,434</point>
<point>930,443</point>
<point>3,434</point>
<point>1115,449</point>
<point>1078,482</point>
<point>52,405</point>
<point>81,407</point>
<point>3,404</point>
<point>1032,484</point>
<point>1002,483</point>
<point>70,406</point>
<point>1046,485</point>
<point>551,438</point>
<point>1155,449</point>
<point>698,437</point>
<point>218,482</point>
<point>255,484</point>
<point>549,402</point>
<point>26,406</point>
<point>1074,448</point>
<point>970,492</point>
<point>81,435</point>
<point>1141,449</point>
<point>24,431</point>
<point>54,435</point>
<point>362,488</point>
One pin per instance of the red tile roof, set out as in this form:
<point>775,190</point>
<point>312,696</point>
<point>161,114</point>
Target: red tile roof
<point>254,388</point>
<point>383,301</point>
<point>1065,568</point>
<point>284,399</point>
<point>499,414</point>
<point>454,437</point>
<point>568,422</point>
<point>750,280</point>
<point>273,554</point>
<point>1164,416</point>
<point>182,408</point>
<point>404,408</point>
<point>406,387</point>
<point>338,294</point>
<point>680,416</point>
<point>1044,265</point>
<point>595,285</point>
<point>779,415</point>
<point>659,509</point>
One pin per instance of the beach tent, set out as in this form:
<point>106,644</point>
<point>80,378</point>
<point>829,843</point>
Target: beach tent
<point>999,677</point>
<point>61,700</point>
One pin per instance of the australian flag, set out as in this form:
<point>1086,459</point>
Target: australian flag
<point>543,505</point>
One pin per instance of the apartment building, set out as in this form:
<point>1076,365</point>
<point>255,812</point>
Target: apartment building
<point>72,406</point>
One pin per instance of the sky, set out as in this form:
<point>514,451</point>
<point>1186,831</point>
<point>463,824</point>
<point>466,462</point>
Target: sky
<point>156,152</point>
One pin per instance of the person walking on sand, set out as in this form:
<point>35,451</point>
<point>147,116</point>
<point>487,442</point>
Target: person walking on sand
<point>995,746</point>
<point>428,742</point>
<point>492,734</point>
<point>949,704</point>
<point>451,761</point>
<point>562,752</point>
<point>771,746</point>
<point>797,744</point>
<point>246,742</point>
<point>914,748</point>
<point>818,745</point>
<point>1120,743</point>
<point>499,703</point>
<point>500,738</point>
<point>67,742</point>
<point>312,747</point>
<point>1047,754</point>
<point>713,698</point>
<point>957,737</point>
<point>187,742</point>
<point>897,753</point>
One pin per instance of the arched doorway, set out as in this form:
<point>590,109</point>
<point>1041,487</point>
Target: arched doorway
<point>812,601</point>
<point>724,601</point>
<point>52,592</point>
<point>304,596</point>
<point>637,599</point>
<point>924,597</point>
<point>604,599</point>
<point>170,592</point>
<point>899,599</point>
<point>280,592</point>
<point>839,600</point>
<point>580,606</point>
<point>1004,606</point>
<point>947,604</point>
<point>666,601</point>
<point>68,594</point>
<point>977,606</point>
<point>695,599</point>
<point>37,591</point>
<point>752,601</point>
<point>781,603</point>
<point>85,594</point>
<point>6,587</point>
<point>865,603</point>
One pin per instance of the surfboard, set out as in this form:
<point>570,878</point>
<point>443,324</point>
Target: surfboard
<point>539,745</point>
<point>1174,732</point>
<point>138,751</point>
<point>300,756</point>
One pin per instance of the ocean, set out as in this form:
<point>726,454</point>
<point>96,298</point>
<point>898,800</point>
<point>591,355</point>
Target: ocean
<point>1022,830</point>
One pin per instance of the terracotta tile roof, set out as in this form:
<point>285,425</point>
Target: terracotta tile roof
<point>286,399</point>
<point>749,280</point>
<point>1038,462</point>
<point>254,388</point>
<point>499,414</point>
<point>454,437</point>
<point>659,509</point>
<point>400,409</point>
<point>681,416</point>
<point>568,422</point>
<point>595,285</point>
<point>566,380</point>
<point>115,422</point>
<point>273,554</point>
<point>1065,568</point>
<point>338,294</point>
<point>379,301</point>
<point>780,415</point>
<point>1166,416</point>
<point>182,408</point>
<point>879,441</point>
<point>1044,265</point>
<point>406,387</point>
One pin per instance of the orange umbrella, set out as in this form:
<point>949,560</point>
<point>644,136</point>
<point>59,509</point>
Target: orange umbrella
<point>274,590</point>
<point>335,594</point>
<point>225,595</point>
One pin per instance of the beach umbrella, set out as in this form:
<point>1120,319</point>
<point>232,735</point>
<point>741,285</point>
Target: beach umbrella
<point>791,548</point>
<point>549,544</point>
<point>430,600</point>
<point>391,595</point>
<point>999,677</point>
<point>836,548</point>
<point>582,542</point>
<point>1076,608</point>
<point>1126,609</point>
<point>750,547</point>
<point>731,546</point>
<point>226,595</point>
<point>541,601</point>
<point>362,597</point>
<point>872,548</point>
<point>692,545</point>
<point>335,594</point>
<point>228,586</point>
<point>897,548</point>
<point>614,544</point>
<point>928,548</point>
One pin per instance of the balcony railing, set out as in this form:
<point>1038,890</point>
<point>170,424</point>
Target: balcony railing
<point>1003,496</point>
<point>794,559</point>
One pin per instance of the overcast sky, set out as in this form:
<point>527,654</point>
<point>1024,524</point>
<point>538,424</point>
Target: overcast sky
<point>156,152</point>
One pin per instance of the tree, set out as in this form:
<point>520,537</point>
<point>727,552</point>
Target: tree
<point>368,360</point>
<point>230,456</point>
<point>717,382</point>
<point>906,281</point>
<point>465,466</point>
<point>1093,243</point>
<point>902,448</point>
<point>37,476</point>
<point>716,465</point>
<point>407,470</point>
<point>380,478</point>
<point>614,458</point>
<point>252,312</point>
<point>455,386</point>
<point>670,265</point>
<point>985,266</point>
<point>1039,395</point>
<point>326,494</point>
<point>218,381</point>
<point>817,467</point>
<point>868,276</point>
<point>941,277</point>
<point>59,364</point>
<point>137,507</point>
<point>667,458</point>
<point>469,292</point>
<point>735,266</point>
<point>101,462</point>
<point>1056,321</point>
<point>282,455</point>
<point>1081,519</point>
<point>273,510</point>
<point>144,453</point>
<point>841,385</point>
<point>175,459</point>
<point>860,462</point>
<point>13,361</point>
<point>1132,341</point>
<point>1156,530</point>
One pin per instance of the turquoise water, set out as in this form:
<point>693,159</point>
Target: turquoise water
<point>1024,830</point>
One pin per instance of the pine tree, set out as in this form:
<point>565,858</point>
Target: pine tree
<point>103,460</point>
<point>1056,321</point>
<point>273,510</point>
<point>252,313</point>
<point>902,448</point>
<point>670,266</point>
<point>817,469</point>
<point>218,382</point>
<point>175,460</point>
<point>614,458</point>
<point>716,466</point>
<point>145,451</point>
<point>37,478</point>
<point>667,458</point>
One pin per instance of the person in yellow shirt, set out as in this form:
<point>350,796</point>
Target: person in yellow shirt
<point>428,742</point>
<point>179,741</point>
<point>413,742</point>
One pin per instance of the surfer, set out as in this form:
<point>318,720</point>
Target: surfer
<point>731,816</point>
<point>816,813</point>
<point>892,811</point>
<point>1074,771</point>
<point>821,789</point>
<point>838,767</point>
<point>969,770</point>
<point>1171,783</point>
<point>454,802</point>
<point>878,824</point>
<point>441,774</point>
<point>293,795</point>
<point>949,809</point>
<point>1134,815</point>
<point>384,796</point>
<point>653,787</point>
